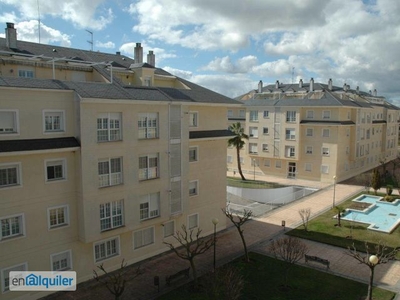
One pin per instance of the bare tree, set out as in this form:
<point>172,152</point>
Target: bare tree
<point>116,281</point>
<point>339,210</point>
<point>305,214</point>
<point>193,245</point>
<point>382,256</point>
<point>227,283</point>
<point>365,179</point>
<point>239,221</point>
<point>290,250</point>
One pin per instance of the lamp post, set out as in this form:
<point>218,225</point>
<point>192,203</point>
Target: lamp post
<point>254,166</point>
<point>372,262</point>
<point>334,191</point>
<point>215,222</point>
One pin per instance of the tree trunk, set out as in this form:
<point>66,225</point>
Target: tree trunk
<point>246,254</point>
<point>238,161</point>
<point>194,272</point>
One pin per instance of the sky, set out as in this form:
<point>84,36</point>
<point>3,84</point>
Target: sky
<point>230,45</point>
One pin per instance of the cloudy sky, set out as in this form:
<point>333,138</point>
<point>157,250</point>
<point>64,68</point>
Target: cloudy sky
<point>229,45</point>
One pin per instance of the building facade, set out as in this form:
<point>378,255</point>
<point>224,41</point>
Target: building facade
<point>102,158</point>
<point>315,131</point>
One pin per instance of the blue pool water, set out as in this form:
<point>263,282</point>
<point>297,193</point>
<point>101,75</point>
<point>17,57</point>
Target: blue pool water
<point>382,216</point>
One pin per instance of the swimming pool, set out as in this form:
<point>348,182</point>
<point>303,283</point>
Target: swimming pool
<point>381,215</point>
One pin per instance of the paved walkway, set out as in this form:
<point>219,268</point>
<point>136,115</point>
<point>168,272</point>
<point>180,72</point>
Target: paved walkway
<point>258,234</point>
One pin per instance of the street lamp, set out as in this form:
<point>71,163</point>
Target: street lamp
<point>334,190</point>
<point>373,261</point>
<point>215,222</point>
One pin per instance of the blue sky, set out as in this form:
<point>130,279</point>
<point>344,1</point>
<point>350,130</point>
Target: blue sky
<point>229,45</point>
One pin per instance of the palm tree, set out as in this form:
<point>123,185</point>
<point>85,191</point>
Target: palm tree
<point>238,142</point>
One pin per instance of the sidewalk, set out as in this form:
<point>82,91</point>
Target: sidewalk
<point>258,233</point>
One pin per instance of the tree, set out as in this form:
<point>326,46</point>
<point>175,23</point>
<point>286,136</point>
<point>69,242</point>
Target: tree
<point>239,221</point>
<point>376,180</point>
<point>305,214</point>
<point>227,283</point>
<point>193,245</point>
<point>365,179</point>
<point>290,250</point>
<point>339,210</point>
<point>238,142</point>
<point>382,256</point>
<point>116,281</point>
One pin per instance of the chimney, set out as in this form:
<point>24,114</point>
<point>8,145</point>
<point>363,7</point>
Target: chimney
<point>358,90</point>
<point>301,83</point>
<point>330,84</point>
<point>260,86</point>
<point>11,36</point>
<point>375,93</point>
<point>345,87</point>
<point>151,58</point>
<point>370,92</point>
<point>312,84</point>
<point>277,84</point>
<point>138,54</point>
<point>118,53</point>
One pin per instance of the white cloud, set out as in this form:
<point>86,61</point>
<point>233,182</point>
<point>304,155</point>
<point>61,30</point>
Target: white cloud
<point>91,14</point>
<point>188,75</point>
<point>108,45</point>
<point>224,64</point>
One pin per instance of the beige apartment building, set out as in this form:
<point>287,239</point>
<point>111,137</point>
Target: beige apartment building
<point>314,131</point>
<point>102,158</point>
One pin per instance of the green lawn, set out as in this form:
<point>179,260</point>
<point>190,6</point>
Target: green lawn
<point>251,184</point>
<point>263,280</point>
<point>323,229</point>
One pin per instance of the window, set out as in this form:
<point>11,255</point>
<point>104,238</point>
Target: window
<point>308,167</point>
<point>267,163</point>
<point>193,188</point>
<point>148,167</point>
<point>148,125</point>
<point>290,134</point>
<point>229,159</point>
<point>109,127</point>
<point>142,238</point>
<point>8,121</point>
<point>253,148</point>
<point>290,151</point>
<point>110,171</point>
<point>309,149</point>
<point>61,261</point>
<point>147,81</point>
<point>290,116</point>
<point>324,169</point>
<point>193,153</point>
<point>111,215</point>
<point>241,160</point>
<point>265,147</point>
<point>254,116</point>
<point>193,119</point>
<point>326,114</point>
<point>325,151</point>
<point>309,132</point>
<point>242,113</point>
<point>5,275</point>
<point>230,113</point>
<point>58,216</point>
<point>265,130</point>
<point>310,114</point>
<point>325,132</point>
<point>254,162</point>
<point>12,226</point>
<point>55,169</point>
<point>25,73</point>
<point>266,114</point>
<point>10,175</point>
<point>106,249</point>
<point>149,206</point>
<point>53,121</point>
<point>278,164</point>
<point>193,221</point>
<point>169,228</point>
<point>253,132</point>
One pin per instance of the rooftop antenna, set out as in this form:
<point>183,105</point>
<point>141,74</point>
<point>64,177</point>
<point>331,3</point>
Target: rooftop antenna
<point>91,39</point>
<point>38,8</point>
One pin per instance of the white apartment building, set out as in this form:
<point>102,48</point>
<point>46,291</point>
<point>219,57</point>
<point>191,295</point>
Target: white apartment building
<point>102,158</point>
<point>315,131</point>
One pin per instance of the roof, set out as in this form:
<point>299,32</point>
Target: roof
<point>38,144</point>
<point>116,90</point>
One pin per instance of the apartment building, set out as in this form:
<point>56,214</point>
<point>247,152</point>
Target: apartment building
<point>102,158</point>
<point>315,131</point>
